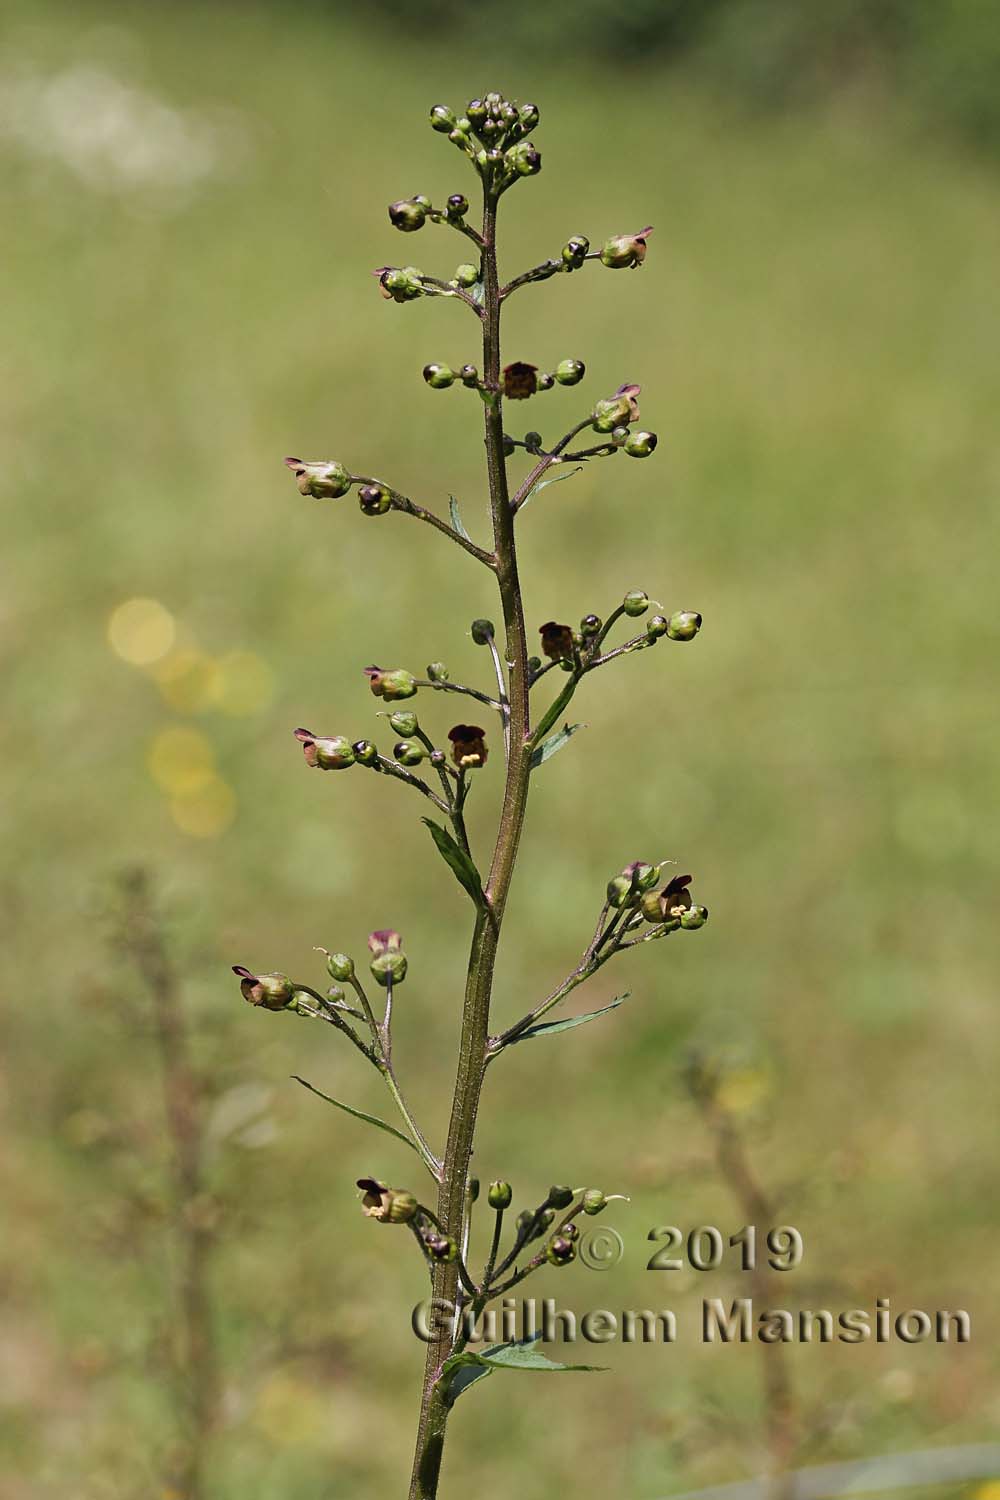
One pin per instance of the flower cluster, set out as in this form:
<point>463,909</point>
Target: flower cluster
<point>493,135</point>
<point>669,907</point>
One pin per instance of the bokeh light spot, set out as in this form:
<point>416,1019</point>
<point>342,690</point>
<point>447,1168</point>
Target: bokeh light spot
<point>186,679</point>
<point>242,683</point>
<point>141,631</point>
<point>206,810</point>
<point>181,760</point>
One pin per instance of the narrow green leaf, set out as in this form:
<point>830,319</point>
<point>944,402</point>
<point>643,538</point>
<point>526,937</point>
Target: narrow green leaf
<point>456,519</point>
<point>456,858</point>
<point>552,479</point>
<point>463,1370</point>
<point>549,1028</point>
<point>359,1114</point>
<point>522,1356</point>
<point>554,742</point>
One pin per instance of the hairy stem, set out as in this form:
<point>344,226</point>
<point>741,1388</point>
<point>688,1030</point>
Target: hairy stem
<point>452,1200</point>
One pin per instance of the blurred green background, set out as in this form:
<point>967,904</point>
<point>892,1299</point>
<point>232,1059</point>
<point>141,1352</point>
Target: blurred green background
<point>192,199</point>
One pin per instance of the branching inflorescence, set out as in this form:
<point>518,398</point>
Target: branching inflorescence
<point>644,903</point>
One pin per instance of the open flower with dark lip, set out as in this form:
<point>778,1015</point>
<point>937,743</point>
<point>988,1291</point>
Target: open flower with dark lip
<point>391,683</point>
<point>618,410</point>
<point>520,380</point>
<point>557,640</point>
<point>468,746</point>
<point>625,251</point>
<point>670,904</point>
<point>272,991</point>
<point>323,480</point>
<point>387,1205</point>
<point>325,752</point>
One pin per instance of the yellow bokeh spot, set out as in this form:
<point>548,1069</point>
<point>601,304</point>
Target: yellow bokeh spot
<point>181,760</point>
<point>186,678</point>
<point>141,631</point>
<point>741,1090</point>
<point>242,684</point>
<point>990,1490</point>
<point>289,1412</point>
<point>205,810</point>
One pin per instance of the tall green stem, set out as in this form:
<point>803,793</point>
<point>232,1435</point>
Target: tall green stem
<point>452,1199</point>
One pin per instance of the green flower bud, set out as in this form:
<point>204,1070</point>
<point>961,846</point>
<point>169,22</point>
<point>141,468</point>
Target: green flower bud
<point>438,377</point>
<point>644,876</point>
<point>476,111</point>
<point>387,1205</point>
<point>365,753</point>
<point>570,371</point>
<point>340,967</point>
<point>640,444</point>
<point>407,215</point>
<point>534,664</point>
<point>437,672</point>
<point>533,441</point>
<point>442,118</point>
<point>400,283</point>
<point>373,499</point>
<point>457,206</point>
<point>509,446</point>
<point>483,632</point>
<point>590,625</point>
<point>391,684</point>
<point>559,1197</point>
<point>323,480</point>
<point>388,968</point>
<point>473,1189</point>
<point>525,1220</point>
<point>527,117</point>
<point>656,627</point>
<point>525,159</point>
<point>560,1250</point>
<point>575,251</point>
<point>404,722</point>
<point>635,603</point>
<point>271,991</point>
<point>469,376</point>
<point>625,250</point>
<point>546,382</point>
<point>336,994</point>
<point>301,1004</point>
<point>467,274</point>
<point>499,1195</point>
<point>541,1223</point>
<point>619,890</point>
<point>684,625</point>
<point>325,753</point>
<point>409,753</point>
<point>695,917</point>
<point>594,1201</point>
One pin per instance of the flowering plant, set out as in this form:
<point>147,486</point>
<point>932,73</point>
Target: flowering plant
<point>645,902</point>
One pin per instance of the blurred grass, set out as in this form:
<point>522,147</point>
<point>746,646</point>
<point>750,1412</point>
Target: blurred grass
<point>815,331</point>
